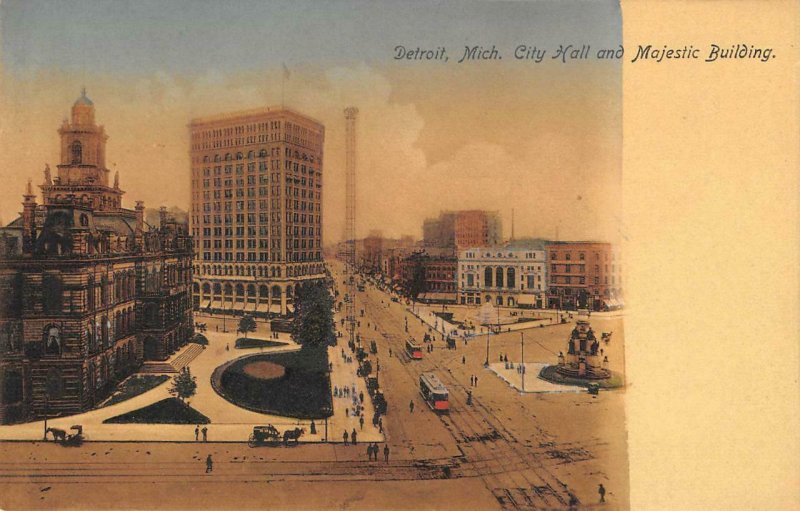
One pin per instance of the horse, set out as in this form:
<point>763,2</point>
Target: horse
<point>293,434</point>
<point>58,434</point>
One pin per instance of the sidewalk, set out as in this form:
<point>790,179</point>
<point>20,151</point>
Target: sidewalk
<point>229,423</point>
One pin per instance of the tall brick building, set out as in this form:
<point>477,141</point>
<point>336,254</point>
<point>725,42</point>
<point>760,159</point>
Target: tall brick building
<point>88,290</point>
<point>256,214</point>
<point>583,274</point>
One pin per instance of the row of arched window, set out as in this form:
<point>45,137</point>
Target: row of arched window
<point>494,277</point>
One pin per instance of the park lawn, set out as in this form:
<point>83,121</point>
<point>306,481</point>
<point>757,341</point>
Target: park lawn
<point>134,386</point>
<point>243,343</point>
<point>167,411</point>
<point>303,391</point>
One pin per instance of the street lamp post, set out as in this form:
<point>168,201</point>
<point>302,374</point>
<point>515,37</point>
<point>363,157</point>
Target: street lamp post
<point>522,336</point>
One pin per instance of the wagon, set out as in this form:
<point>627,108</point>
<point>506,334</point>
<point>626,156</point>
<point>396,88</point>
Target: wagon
<point>264,435</point>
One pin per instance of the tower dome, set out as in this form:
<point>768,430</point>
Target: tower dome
<point>83,100</point>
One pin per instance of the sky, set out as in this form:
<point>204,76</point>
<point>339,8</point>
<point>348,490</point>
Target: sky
<point>543,139</point>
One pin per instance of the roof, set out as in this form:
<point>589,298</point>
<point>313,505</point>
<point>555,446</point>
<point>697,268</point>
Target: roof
<point>118,224</point>
<point>84,100</point>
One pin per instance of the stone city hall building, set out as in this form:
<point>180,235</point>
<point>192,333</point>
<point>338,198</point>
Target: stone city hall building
<point>88,290</point>
<point>256,215</point>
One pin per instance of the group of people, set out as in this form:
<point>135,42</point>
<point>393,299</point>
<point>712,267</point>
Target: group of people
<point>373,449</point>
<point>197,432</point>
<point>350,438</point>
<point>473,380</point>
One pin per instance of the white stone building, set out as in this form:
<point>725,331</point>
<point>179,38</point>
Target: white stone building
<point>512,275</point>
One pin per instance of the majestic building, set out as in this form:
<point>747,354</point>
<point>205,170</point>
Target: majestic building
<point>584,274</point>
<point>514,275</point>
<point>256,214</point>
<point>88,290</point>
<point>463,229</point>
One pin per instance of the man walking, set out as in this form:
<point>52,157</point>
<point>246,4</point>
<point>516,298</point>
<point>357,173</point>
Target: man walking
<point>602,492</point>
<point>209,464</point>
<point>385,453</point>
<point>205,434</point>
<point>411,406</point>
<point>197,433</point>
<point>369,451</point>
<point>353,437</point>
<point>345,437</point>
<point>361,422</point>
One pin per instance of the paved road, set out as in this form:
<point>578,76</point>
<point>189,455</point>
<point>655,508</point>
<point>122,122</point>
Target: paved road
<point>507,451</point>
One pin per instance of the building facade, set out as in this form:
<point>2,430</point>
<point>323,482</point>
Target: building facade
<point>431,277</point>
<point>584,275</point>
<point>88,290</point>
<point>256,214</point>
<point>477,228</point>
<point>510,275</point>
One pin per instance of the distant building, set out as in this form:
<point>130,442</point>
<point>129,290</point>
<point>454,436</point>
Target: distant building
<point>88,290</point>
<point>432,277</point>
<point>256,211</point>
<point>477,228</point>
<point>462,229</point>
<point>584,274</point>
<point>440,232</point>
<point>513,275</point>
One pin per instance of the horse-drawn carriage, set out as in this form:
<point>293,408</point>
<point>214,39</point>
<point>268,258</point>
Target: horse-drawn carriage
<point>606,336</point>
<point>264,435</point>
<point>65,438</point>
<point>269,435</point>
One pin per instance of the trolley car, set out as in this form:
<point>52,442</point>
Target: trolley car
<point>434,392</point>
<point>413,350</point>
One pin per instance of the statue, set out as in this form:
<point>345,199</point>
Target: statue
<point>47,178</point>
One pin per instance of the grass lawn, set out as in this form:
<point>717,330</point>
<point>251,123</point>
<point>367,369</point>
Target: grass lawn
<point>550,374</point>
<point>134,386</point>
<point>167,411</point>
<point>242,343</point>
<point>303,391</point>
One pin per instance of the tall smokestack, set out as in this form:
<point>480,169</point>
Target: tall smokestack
<point>350,115</point>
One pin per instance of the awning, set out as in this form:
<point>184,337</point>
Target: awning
<point>438,297</point>
<point>217,304</point>
<point>262,307</point>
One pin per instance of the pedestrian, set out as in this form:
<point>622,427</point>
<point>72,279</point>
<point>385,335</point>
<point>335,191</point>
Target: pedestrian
<point>380,425</point>
<point>197,433</point>
<point>463,359</point>
<point>347,412</point>
<point>205,434</point>
<point>353,437</point>
<point>345,436</point>
<point>411,406</point>
<point>227,347</point>
<point>217,328</point>
<point>390,352</point>
<point>209,464</point>
<point>361,422</point>
<point>369,451</point>
<point>385,453</point>
<point>361,396</point>
<point>602,491</point>
<point>476,380</point>
<point>335,391</point>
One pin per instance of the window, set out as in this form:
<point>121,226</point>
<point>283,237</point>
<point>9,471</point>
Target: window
<point>52,340</point>
<point>77,153</point>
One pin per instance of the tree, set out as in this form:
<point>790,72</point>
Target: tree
<point>184,385</point>
<point>247,324</point>
<point>313,315</point>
